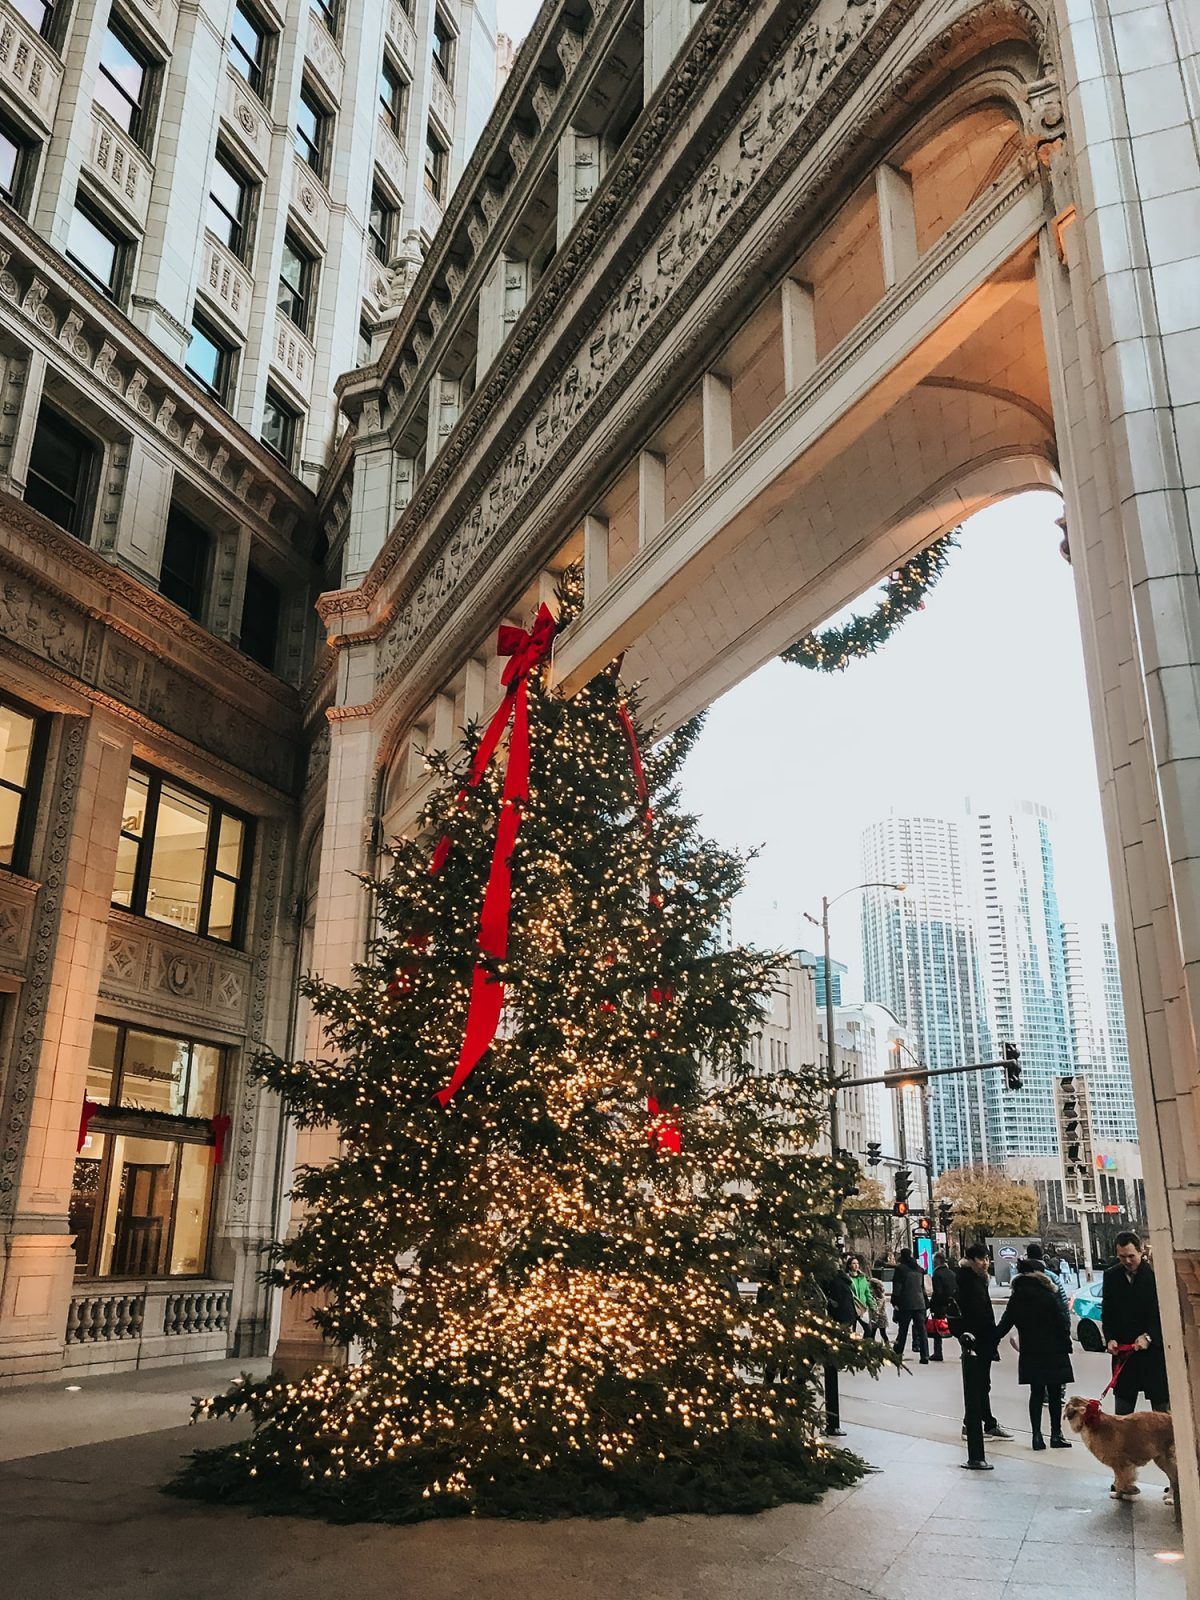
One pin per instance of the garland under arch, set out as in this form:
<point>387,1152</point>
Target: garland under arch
<point>833,649</point>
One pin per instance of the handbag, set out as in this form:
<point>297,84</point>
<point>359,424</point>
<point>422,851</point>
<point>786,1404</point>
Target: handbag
<point>938,1327</point>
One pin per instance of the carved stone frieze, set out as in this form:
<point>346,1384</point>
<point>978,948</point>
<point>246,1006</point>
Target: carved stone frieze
<point>124,670</point>
<point>17,897</point>
<point>246,1105</point>
<point>802,88</point>
<point>784,99</point>
<point>175,975</point>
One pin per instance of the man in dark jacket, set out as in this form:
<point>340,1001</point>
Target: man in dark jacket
<point>909,1302</point>
<point>975,1329</point>
<point>1130,1316</point>
<point>945,1288</point>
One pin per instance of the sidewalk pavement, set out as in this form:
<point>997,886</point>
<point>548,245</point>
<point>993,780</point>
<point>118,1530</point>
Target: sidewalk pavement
<point>81,1518</point>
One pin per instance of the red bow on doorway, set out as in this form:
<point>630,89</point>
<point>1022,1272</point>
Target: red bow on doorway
<point>526,652</point>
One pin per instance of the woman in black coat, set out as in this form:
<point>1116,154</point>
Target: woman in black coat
<point>1036,1311</point>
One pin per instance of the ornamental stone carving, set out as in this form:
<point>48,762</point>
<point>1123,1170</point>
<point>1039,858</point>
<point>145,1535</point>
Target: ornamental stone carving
<point>155,969</point>
<point>783,101</point>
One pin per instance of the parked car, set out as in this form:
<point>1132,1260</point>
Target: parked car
<point>1086,1306</point>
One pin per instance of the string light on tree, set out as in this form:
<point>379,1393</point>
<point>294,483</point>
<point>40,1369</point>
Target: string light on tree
<point>537,1272</point>
<point>833,649</point>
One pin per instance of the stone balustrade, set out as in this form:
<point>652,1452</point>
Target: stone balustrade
<point>29,69</point>
<point>113,1327</point>
<point>226,284</point>
<point>119,167</point>
<point>293,358</point>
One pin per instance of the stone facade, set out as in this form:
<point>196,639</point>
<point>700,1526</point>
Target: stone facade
<point>828,281</point>
<point>737,304</point>
<point>156,607</point>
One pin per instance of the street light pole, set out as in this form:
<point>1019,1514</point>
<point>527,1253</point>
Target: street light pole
<point>831,1071</point>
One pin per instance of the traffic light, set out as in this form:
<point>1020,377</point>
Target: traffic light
<point>874,1152</point>
<point>903,1181</point>
<point>900,1209</point>
<point>1012,1067</point>
<point>945,1215</point>
<point>924,1225</point>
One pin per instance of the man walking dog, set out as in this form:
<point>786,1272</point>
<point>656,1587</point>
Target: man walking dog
<point>1133,1329</point>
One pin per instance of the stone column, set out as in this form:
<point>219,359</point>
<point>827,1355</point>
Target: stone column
<point>372,492</point>
<point>1123,340</point>
<point>24,377</point>
<point>45,1082</point>
<point>667,24</point>
<point>578,175</point>
<point>338,938</point>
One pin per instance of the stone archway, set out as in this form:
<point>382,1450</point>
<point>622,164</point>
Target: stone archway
<point>858,270</point>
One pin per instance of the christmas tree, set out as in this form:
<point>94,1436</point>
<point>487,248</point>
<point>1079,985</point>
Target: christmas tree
<point>531,1273</point>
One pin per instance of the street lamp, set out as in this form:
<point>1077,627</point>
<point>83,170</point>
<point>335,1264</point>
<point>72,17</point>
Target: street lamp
<point>826,903</point>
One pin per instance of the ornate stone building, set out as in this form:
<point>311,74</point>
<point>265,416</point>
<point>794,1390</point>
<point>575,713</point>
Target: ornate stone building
<point>738,303</point>
<point>210,213</point>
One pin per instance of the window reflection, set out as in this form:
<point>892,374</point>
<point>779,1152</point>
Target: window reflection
<point>177,862</point>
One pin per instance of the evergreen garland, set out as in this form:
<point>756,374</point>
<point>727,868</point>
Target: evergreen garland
<point>833,649</point>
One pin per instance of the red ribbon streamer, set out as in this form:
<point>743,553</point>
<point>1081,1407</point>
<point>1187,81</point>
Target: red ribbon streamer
<point>87,1112</point>
<point>220,1125</point>
<point>664,1132</point>
<point>639,771</point>
<point>526,652</point>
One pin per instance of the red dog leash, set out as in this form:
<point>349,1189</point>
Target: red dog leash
<point>1125,1351</point>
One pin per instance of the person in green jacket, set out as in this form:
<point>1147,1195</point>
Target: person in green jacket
<point>865,1309</point>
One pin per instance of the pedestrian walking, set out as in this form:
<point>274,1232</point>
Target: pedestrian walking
<point>973,1324</point>
<point>1133,1329</point>
<point>1037,1255</point>
<point>909,1304</point>
<point>864,1299</point>
<point>879,1294</point>
<point>1036,1310</point>
<point>945,1285</point>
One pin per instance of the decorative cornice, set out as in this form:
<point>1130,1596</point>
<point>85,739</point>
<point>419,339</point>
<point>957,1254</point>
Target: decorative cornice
<point>975,29</point>
<point>50,302</point>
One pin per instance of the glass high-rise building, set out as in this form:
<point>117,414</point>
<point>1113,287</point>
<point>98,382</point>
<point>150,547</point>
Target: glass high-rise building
<point>923,960</point>
<point>977,954</point>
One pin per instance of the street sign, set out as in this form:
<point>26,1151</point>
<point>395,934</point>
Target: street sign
<point>1073,1111</point>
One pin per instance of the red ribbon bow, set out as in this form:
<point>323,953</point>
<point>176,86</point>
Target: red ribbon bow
<point>220,1125</point>
<point>1092,1410</point>
<point>664,1132</point>
<point>526,652</point>
<point>87,1112</point>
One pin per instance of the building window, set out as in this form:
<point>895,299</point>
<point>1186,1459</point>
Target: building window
<point>435,165</point>
<point>62,467</point>
<point>443,47</point>
<point>381,224</point>
<point>279,427</point>
<point>41,15</point>
<point>187,552</point>
<point>97,249</point>
<point>364,345</point>
<point>21,745</point>
<point>210,359</point>
<point>327,10</point>
<point>393,95</point>
<point>181,858</point>
<point>249,47</point>
<point>297,279</point>
<point>312,130</point>
<point>141,1201</point>
<point>260,618</point>
<point>125,81</point>
<point>230,203</point>
<point>15,151</point>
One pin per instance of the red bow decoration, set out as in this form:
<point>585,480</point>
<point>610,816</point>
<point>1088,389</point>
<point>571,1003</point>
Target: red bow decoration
<point>87,1112</point>
<point>526,652</point>
<point>1092,1410</point>
<point>664,1132</point>
<point>220,1125</point>
<point>401,982</point>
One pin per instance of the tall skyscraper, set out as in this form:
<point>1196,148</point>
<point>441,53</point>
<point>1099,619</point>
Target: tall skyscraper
<point>976,954</point>
<point>922,959</point>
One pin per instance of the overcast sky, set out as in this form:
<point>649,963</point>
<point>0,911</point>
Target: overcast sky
<point>981,693</point>
<point>514,16</point>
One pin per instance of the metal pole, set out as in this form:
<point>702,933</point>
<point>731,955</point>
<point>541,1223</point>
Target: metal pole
<point>902,1139</point>
<point>834,1130</point>
<point>1086,1240</point>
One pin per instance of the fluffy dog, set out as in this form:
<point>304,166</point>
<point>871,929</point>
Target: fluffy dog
<point>1125,1443</point>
